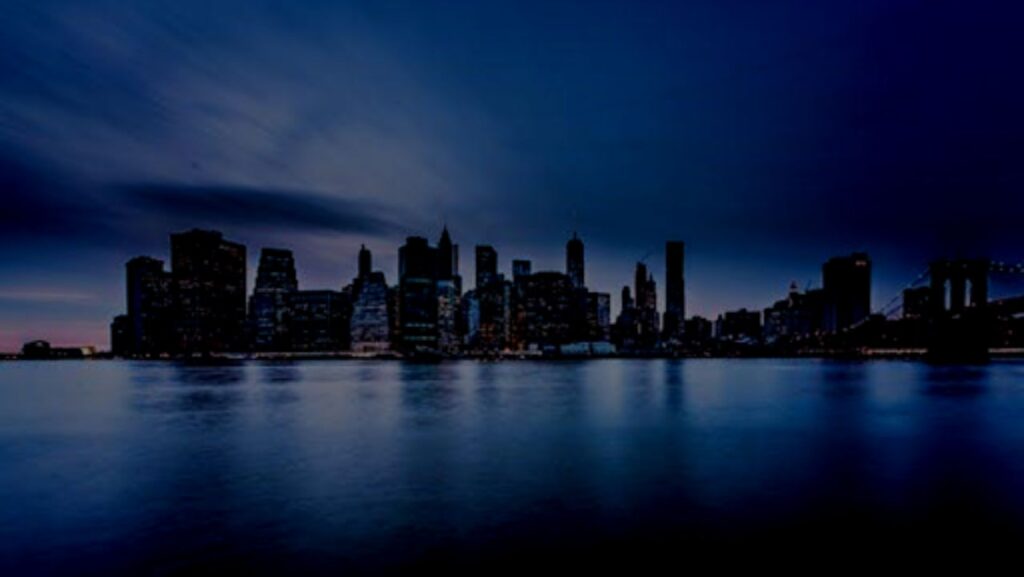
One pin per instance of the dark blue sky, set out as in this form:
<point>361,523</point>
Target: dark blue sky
<point>768,135</point>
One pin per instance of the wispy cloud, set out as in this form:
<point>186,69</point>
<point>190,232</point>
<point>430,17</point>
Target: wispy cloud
<point>37,295</point>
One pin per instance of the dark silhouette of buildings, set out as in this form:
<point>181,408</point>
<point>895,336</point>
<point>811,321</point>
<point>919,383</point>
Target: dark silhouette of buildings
<point>547,301</point>
<point>370,325</point>
<point>149,306</point>
<point>449,293</point>
<point>915,302</point>
<point>486,265</point>
<point>365,262</point>
<point>741,326</point>
<point>417,295</point>
<point>646,291</point>
<point>675,291</point>
<point>795,317</point>
<point>574,265</point>
<point>208,275</point>
<point>598,318</point>
<point>319,320</point>
<point>521,268</point>
<point>199,307</point>
<point>270,306</point>
<point>846,281</point>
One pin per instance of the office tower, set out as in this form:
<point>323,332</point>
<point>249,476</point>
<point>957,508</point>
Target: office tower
<point>449,292</point>
<point>469,315</point>
<point>208,280</point>
<point>486,265</point>
<point>846,281</point>
<point>370,326</point>
<point>626,329</point>
<point>574,266</point>
<point>269,305</point>
<point>417,295</point>
<point>547,310</point>
<point>319,320</point>
<point>646,307</point>
<point>599,311</point>
<point>149,308</point>
<point>493,300</point>
<point>675,294</point>
<point>365,262</point>
<point>447,257</point>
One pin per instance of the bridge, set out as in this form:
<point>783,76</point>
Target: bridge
<point>957,310</point>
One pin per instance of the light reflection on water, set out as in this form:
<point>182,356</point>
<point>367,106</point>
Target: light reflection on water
<point>330,466</point>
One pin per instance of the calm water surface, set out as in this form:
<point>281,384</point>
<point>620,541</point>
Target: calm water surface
<point>332,467</point>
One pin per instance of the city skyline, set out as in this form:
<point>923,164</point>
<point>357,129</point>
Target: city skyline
<point>769,138</point>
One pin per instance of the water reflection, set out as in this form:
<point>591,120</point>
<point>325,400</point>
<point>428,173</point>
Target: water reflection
<point>673,382</point>
<point>384,464</point>
<point>955,381</point>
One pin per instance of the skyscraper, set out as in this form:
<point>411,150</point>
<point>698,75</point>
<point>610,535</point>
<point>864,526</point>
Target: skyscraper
<point>646,306</point>
<point>846,281</point>
<point>547,309</point>
<point>675,294</point>
<point>149,302</point>
<point>449,292</point>
<point>270,303</point>
<point>365,262</point>
<point>574,265</point>
<point>208,280</point>
<point>417,296</point>
<point>486,265</point>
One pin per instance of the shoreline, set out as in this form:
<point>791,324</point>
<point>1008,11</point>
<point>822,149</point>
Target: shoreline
<point>858,355</point>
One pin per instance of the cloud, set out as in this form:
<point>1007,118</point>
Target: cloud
<point>256,208</point>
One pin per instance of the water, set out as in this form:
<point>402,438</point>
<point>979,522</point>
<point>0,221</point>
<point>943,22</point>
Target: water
<point>331,467</point>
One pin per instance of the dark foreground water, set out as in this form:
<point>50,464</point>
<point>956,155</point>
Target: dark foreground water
<point>343,467</point>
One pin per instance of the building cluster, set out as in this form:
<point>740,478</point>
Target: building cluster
<point>201,305</point>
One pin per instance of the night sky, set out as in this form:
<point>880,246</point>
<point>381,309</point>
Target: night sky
<point>767,135</point>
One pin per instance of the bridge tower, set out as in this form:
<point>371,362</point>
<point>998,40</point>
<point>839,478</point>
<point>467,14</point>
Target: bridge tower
<point>958,307</point>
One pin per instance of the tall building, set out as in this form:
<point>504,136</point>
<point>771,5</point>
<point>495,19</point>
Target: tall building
<point>449,292</point>
<point>547,310</point>
<point>149,306</point>
<point>486,265</point>
<point>270,303</point>
<point>365,262</point>
<point>574,265</point>
<point>494,314</point>
<point>675,293</point>
<point>417,295</point>
<point>846,281</point>
<point>447,257</point>
<point>208,281</point>
<point>599,312</point>
<point>646,307</point>
<point>369,327</point>
<point>626,328</point>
